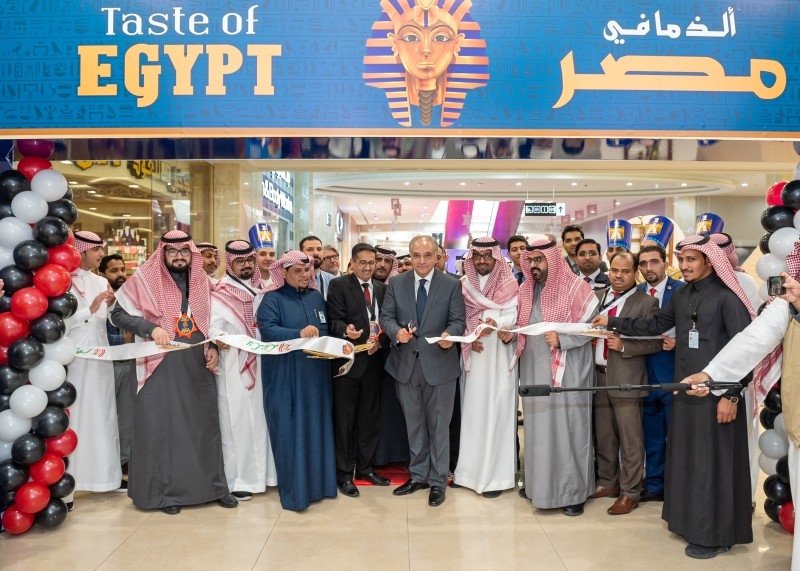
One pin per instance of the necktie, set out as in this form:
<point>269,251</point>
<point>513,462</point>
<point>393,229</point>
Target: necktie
<point>422,297</point>
<point>520,278</point>
<point>652,292</point>
<point>368,299</point>
<point>611,313</point>
<point>588,280</point>
<point>321,284</point>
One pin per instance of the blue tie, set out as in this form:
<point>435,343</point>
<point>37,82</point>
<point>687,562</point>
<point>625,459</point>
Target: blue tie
<point>422,297</point>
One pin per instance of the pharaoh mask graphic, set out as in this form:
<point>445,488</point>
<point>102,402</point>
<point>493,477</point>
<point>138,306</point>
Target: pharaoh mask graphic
<point>427,54</point>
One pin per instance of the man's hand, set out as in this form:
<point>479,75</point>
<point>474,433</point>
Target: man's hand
<point>600,321</point>
<point>352,333</point>
<point>615,343</point>
<point>309,331</point>
<point>488,321</point>
<point>505,336</point>
<point>695,380</point>
<point>160,336</point>
<point>668,344</point>
<point>373,348</point>
<point>551,338</point>
<point>212,358</point>
<point>477,346</point>
<point>726,411</point>
<point>405,335</point>
<point>792,287</point>
<point>101,298</point>
<point>2,291</point>
<point>222,346</point>
<point>445,344</point>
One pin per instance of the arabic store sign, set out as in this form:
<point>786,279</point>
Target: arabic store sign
<point>277,194</point>
<point>372,67</point>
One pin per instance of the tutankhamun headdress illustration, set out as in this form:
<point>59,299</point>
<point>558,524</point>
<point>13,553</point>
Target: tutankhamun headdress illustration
<point>426,53</point>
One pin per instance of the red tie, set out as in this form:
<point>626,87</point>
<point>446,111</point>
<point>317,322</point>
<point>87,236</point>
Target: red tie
<point>367,297</point>
<point>652,292</point>
<point>611,313</point>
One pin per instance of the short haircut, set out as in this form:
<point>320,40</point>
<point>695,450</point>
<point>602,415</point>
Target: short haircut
<point>589,241</point>
<point>422,237</point>
<point>308,239</point>
<point>107,259</point>
<point>362,247</point>
<point>647,249</point>
<point>330,247</point>
<point>571,228</point>
<point>516,238</point>
<point>634,257</point>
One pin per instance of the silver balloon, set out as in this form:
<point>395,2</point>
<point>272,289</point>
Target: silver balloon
<point>780,428</point>
<point>781,242</point>
<point>797,219</point>
<point>29,206</point>
<point>49,184</point>
<point>6,257</point>
<point>5,450</point>
<point>62,351</point>
<point>27,401</point>
<point>796,174</point>
<point>772,445</point>
<point>47,375</point>
<point>768,265</point>
<point>768,465</point>
<point>12,426</point>
<point>13,231</point>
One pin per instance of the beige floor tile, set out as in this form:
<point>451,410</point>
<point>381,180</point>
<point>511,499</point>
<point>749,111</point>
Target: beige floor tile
<point>374,502</point>
<point>480,543</point>
<point>771,548</point>
<point>462,502</point>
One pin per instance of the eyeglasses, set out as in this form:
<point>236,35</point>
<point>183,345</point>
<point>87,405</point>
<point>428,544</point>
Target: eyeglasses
<point>536,260</point>
<point>585,253</point>
<point>331,258</point>
<point>487,256</point>
<point>184,252</point>
<point>366,263</point>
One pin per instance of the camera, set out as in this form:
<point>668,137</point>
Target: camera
<point>775,286</point>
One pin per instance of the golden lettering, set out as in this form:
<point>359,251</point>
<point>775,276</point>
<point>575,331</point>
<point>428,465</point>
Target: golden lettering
<point>91,70</point>
<point>222,60</point>
<point>183,59</point>
<point>264,54</point>
<point>142,80</point>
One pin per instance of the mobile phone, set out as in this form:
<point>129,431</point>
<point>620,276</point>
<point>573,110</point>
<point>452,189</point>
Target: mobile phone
<point>775,286</point>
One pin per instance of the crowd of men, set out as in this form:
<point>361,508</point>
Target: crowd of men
<point>218,424</point>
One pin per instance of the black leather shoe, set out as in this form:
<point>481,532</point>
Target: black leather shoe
<point>651,497</point>
<point>577,509</point>
<point>492,494</point>
<point>454,485</point>
<point>523,495</point>
<point>171,510</point>
<point>349,489</point>
<point>436,497</point>
<point>409,488</point>
<point>374,479</point>
<point>228,501</point>
<point>70,506</point>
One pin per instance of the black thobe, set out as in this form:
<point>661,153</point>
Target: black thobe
<point>707,474</point>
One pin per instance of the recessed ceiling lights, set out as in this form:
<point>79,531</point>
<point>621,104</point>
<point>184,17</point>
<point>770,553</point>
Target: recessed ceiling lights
<point>91,192</point>
<point>744,184</point>
<point>133,186</point>
<point>617,203</point>
<point>424,207</point>
<point>370,202</point>
<point>519,184</point>
<point>684,184</point>
<point>247,184</point>
<point>657,186</point>
<point>126,215</point>
<point>573,184</point>
<point>73,182</point>
<point>65,162</point>
<point>406,183</point>
<point>374,217</point>
<point>462,184</point>
<point>628,184</point>
<point>92,208</point>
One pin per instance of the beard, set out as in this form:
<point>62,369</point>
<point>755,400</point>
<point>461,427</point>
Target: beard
<point>177,269</point>
<point>117,283</point>
<point>246,274</point>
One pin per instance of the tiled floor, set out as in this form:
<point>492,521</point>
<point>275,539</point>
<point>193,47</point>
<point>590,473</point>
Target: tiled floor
<point>376,531</point>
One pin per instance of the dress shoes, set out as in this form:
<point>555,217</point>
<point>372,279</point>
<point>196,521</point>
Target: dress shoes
<point>436,497</point>
<point>573,510</point>
<point>349,489</point>
<point>651,497</point>
<point>454,485</point>
<point>409,488</point>
<point>243,496</point>
<point>374,479</point>
<point>171,510</point>
<point>603,492</point>
<point>523,495</point>
<point>624,505</point>
<point>228,501</point>
<point>492,494</point>
<point>701,552</point>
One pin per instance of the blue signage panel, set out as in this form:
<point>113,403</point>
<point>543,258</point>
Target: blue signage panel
<point>321,67</point>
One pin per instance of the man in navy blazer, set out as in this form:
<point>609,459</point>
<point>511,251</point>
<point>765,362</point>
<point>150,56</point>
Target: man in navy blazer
<point>660,368</point>
<point>424,303</point>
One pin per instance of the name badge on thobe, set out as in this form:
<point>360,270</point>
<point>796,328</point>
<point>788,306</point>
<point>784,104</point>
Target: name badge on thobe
<point>374,330</point>
<point>321,316</point>
<point>185,326</point>
<point>694,339</point>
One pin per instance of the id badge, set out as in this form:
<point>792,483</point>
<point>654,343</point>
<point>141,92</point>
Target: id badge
<point>694,339</point>
<point>374,330</point>
<point>321,316</point>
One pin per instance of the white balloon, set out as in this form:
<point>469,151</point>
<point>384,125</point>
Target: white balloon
<point>62,351</point>
<point>12,426</point>
<point>47,375</point>
<point>768,465</point>
<point>5,450</point>
<point>781,242</point>
<point>768,265</point>
<point>29,206</point>
<point>772,445</point>
<point>13,231</point>
<point>796,174</point>
<point>6,257</point>
<point>797,219</point>
<point>49,184</point>
<point>27,401</point>
<point>780,427</point>
<point>763,292</point>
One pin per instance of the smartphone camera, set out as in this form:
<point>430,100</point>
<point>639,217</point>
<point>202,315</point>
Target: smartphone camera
<point>775,286</point>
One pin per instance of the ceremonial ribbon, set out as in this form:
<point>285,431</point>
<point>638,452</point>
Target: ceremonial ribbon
<point>539,329</point>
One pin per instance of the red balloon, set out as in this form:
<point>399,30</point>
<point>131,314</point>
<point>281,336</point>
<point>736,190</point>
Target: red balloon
<point>28,303</point>
<point>15,521</point>
<point>3,355</point>
<point>785,516</point>
<point>48,470</point>
<point>52,280</point>
<point>774,193</point>
<point>62,445</point>
<point>71,240</point>
<point>31,497</point>
<point>65,256</point>
<point>31,165</point>
<point>12,328</point>
<point>36,147</point>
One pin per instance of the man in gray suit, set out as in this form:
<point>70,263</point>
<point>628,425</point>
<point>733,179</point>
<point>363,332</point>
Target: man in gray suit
<point>419,304</point>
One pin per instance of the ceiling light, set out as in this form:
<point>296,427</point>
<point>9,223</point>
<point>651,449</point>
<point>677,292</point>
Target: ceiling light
<point>126,215</point>
<point>92,208</point>
<point>65,162</point>
<point>616,203</point>
<point>424,207</point>
<point>573,184</point>
<point>684,184</point>
<point>744,184</point>
<point>234,202</point>
<point>406,183</point>
<point>519,184</point>
<point>73,182</point>
<point>370,202</point>
<point>91,192</point>
<point>462,183</point>
<point>628,184</point>
<point>657,186</point>
<point>133,186</point>
<point>247,184</point>
<point>375,218</point>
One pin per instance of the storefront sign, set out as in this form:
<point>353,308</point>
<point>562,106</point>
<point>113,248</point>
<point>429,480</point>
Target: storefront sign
<point>384,67</point>
<point>545,208</point>
<point>277,194</point>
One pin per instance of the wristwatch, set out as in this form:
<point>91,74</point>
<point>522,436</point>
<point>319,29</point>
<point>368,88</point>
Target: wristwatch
<point>733,399</point>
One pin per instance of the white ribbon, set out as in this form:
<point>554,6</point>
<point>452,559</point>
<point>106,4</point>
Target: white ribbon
<point>539,329</point>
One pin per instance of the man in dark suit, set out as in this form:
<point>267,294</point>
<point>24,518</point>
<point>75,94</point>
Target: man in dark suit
<point>618,414</point>
<point>419,304</point>
<point>587,252</point>
<point>354,304</point>
<point>660,369</point>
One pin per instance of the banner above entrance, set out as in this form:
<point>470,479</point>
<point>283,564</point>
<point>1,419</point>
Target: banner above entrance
<point>213,68</point>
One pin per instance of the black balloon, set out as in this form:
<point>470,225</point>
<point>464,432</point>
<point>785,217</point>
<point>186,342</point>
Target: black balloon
<point>30,255</point>
<point>53,514</point>
<point>763,243</point>
<point>777,490</point>
<point>48,328</point>
<point>773,400</point>
<point>66,462</point>
<point>790,195</point>
<point>63,396</point>
<point>51,422</point>
<point>772,509</point>
<point>12,182</point>
<point>51,231</point>
<point>28,449</point>
<point>6,500</point>
<point>5,402</point>
<point>63,305</point>
<point>5,211</point>
<point>15,278</point>
<point>69,195</point>
<point>11,379</point>
<point>5,303</point>
<point>777,217</point>
<point>25,353</point>
<point>64,487</point>
<point>12,475</point>
<point>782,469</point>
<point>64,209</point>
<point>767,418</point>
